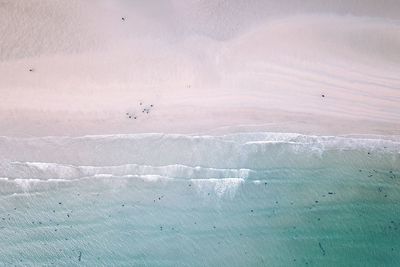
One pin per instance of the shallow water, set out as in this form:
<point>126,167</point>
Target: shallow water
<point>254,199</point>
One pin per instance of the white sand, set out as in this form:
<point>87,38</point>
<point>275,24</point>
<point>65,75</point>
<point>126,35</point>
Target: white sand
<point>206,66</point>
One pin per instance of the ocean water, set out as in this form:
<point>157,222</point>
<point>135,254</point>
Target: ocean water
<point>247,199</point>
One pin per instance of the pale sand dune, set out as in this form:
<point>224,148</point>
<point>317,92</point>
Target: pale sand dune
<point>206,66</point>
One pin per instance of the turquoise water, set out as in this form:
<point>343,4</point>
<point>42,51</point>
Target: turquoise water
<point>254,199</point>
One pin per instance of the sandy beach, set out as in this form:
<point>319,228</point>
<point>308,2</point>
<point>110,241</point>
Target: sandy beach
<point>180,67</point>
<point>199,133</point>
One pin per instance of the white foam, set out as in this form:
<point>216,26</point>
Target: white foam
<point>186,157</point>
<point>44,170</point>
<point>221,187</point>
<point>26,184</point>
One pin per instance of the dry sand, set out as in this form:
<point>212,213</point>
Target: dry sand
<point>205,66</point>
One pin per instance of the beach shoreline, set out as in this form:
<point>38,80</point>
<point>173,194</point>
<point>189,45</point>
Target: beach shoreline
<point>74,124</point>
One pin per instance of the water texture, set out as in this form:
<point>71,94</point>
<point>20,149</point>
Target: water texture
<point>251,199</point>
